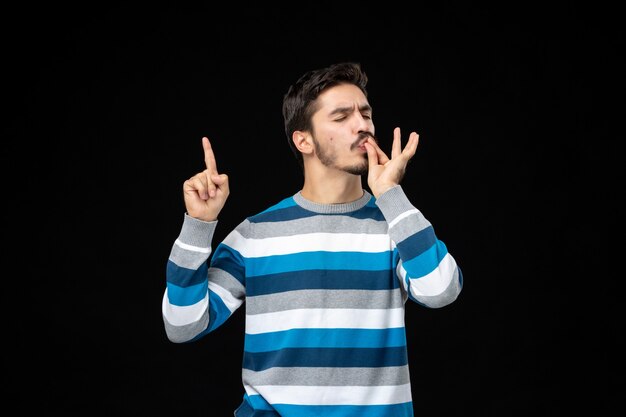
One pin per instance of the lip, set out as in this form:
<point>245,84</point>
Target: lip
<point>360,146</point>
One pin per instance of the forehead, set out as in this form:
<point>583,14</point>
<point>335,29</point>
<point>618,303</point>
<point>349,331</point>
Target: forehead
<point>343,95</point>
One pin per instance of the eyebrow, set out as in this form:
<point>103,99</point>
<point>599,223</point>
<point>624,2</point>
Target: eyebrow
<point>348,109</point>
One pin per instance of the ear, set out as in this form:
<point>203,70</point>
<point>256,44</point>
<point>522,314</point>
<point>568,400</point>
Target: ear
<point>303,142</point>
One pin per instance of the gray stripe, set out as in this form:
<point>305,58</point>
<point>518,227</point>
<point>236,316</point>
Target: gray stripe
<point>317,224</point>
<point>332,208</point>
<point>370,299</point>
<point>181,334</point>
<point>392,375</point>
<point>447,296</point>
<point>186,258</point>
<point>408,226</point>
<point>228,282</point>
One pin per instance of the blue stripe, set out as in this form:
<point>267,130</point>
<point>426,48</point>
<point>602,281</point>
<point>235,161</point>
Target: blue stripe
<point>325,338</point>
<point>416,244</point>
<point>287,202</point>
<point>277,264</point>
<point>386,410</point>
<point>326,357</point>
<point>321,279</point>
<point>185,277</point>
<point>218,313</point>
<point>426,262</point>
<point>245,410</point>
<point>229,260</point>
<point>186,296</point>
<point>257,402</point>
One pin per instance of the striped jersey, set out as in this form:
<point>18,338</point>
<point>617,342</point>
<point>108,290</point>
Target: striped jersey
<point>325,287</point>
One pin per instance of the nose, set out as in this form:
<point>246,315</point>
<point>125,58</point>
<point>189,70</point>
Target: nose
<point>362,124</point>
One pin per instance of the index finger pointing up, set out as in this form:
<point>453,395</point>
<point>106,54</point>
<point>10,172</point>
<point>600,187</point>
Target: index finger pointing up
<point>209,158</point>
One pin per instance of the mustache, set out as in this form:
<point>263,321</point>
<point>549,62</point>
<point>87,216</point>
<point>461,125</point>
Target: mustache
<point>363,136</point>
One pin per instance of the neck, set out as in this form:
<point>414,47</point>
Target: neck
<point>332,187</point>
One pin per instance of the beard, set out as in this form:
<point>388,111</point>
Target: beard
<point>328,158</point>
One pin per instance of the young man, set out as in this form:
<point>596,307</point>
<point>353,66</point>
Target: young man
<point>325,273</point>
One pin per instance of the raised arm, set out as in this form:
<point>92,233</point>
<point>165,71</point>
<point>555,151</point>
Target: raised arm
<point>199,298</point>
<point>206,192</point>
<point>428,273</point>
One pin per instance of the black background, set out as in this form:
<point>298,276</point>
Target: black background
<point>517,168</point>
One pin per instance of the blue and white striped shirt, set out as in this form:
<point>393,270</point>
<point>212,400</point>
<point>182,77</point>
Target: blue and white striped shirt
<point>325,288</point>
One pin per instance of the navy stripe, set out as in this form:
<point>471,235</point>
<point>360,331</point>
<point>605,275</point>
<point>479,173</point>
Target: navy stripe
<point>367,212</point>
<point>218,312</point>
<point>281,215</point>
<point>326,357</point>
<point>324,279</point>
<point>185,277</point>
<point>297,212</point>
<point>229,260</point>
<point>417,243</point>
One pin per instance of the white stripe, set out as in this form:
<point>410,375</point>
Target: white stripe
<point>402,216</point>
<point>401,275</point>
<point>309,242</point>
<point>433,283</point>
<point>183,315</point>
<point>320,318</point>
<point>229,300</point>
<point>191,247</point>
<point>332,395</point>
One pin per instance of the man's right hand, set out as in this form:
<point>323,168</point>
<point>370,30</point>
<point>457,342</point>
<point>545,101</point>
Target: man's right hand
<point>206,192</point>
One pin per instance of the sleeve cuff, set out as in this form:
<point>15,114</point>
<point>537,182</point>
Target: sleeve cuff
<point>393,202</point>
<point>197,232</point>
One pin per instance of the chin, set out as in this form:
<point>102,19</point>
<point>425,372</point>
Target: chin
<point>356,169</point>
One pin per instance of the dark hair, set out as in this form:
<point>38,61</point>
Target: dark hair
<point>299,103</point>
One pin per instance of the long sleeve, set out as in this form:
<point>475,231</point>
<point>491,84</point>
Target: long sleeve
<point>427,271</point>
<point>198,298</point>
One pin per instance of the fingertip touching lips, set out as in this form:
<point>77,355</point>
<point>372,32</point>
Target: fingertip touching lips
<point>363,136</point>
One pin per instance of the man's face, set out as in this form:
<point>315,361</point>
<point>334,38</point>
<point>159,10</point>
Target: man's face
<point>341,125</point>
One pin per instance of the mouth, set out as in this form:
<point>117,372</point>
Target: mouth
<point>360,143</point>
